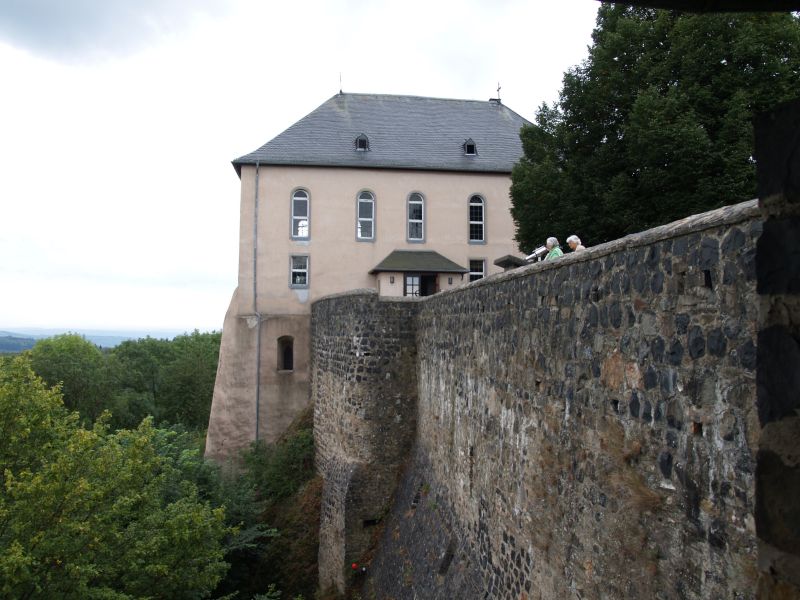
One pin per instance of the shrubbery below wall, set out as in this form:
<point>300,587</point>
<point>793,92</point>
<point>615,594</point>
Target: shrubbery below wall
<point>584,428</point>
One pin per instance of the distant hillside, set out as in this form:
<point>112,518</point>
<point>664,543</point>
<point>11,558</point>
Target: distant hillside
<point>11,343</point>
<point>24,339</point>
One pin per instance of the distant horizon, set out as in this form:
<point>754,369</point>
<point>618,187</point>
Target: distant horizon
<point>115,332</point>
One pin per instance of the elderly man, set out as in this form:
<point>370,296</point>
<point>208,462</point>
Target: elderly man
<point>574,242</point>
<point>554,250</point>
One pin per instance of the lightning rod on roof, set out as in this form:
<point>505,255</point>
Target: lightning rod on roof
<point>340,82</point>
<point>498,95</point>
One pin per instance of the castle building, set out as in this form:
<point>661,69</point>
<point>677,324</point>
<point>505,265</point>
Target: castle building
<point>402,194</point>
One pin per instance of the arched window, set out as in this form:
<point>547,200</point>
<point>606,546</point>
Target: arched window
<point>476,219</point>
<point>416,218</point>
<point>286,353</point>
<point>361,143</point>
<point>470,148</point>
<point>300,215</point>
<point>365,222</point>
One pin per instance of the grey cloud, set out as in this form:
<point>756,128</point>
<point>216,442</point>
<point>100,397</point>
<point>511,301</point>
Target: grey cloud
<point>86,30</point>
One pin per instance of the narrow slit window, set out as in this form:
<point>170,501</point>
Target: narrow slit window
<point>365,226</point>
<point>476,219</point>
<point>416,218</point>
<point>286,353</point>
<point>300,215</point>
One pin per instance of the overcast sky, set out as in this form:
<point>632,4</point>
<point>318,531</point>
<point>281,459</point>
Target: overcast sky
<point>119,119</point>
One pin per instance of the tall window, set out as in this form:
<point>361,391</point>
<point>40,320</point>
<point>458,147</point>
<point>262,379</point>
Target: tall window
<point>300,215</point>
<point>365,227</point>
<point>298,271</point>
<point>476,219</point>
<point>477,269</point>
<point>416,218</point>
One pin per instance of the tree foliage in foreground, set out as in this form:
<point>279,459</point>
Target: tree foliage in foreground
<point>655,125</point>
<point>85,513</point>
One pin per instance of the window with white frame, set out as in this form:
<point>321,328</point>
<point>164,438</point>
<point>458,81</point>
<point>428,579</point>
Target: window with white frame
<point>416,218</point>
<point>365,226</point>
<point>300,215</point>
<point>477,269</point>
<point>476,219</point>
<point>412,285</point>
<point>298,271</point>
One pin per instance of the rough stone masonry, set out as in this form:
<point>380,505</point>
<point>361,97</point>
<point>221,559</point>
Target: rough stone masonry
<point>582,428</point>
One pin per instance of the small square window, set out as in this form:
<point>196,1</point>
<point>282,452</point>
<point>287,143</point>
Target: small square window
<point>477,269</point>
<point>298,272</point>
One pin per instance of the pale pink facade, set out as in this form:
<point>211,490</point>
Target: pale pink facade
<point>263,376</point>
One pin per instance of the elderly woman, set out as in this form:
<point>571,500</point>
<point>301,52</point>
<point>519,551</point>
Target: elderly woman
<point>574,242</point>
<point>553,248</point>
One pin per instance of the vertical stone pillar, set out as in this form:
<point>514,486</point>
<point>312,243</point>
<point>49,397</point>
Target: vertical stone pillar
<point>364,389</point>
<point>778,362</point>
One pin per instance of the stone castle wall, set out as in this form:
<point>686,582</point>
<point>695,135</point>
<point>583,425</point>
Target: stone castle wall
<point>585,428</point>
<point>365,390</point>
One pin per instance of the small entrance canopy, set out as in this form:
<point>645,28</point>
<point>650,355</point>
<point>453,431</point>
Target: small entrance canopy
<point>417,261</point>
<point>509,262</point>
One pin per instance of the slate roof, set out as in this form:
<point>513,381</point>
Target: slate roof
<point>405,132</point>
<point>417,261</point>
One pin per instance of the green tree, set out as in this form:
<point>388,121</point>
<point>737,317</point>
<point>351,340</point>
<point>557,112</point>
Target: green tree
<point>79,367</point>
<point>188,379</point>
<point>85,513</point>
<point>136,369</point>
<point>655,125</point>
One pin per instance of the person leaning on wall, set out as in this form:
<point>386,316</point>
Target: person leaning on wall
<point>574,242</point>
<point>554,249</point>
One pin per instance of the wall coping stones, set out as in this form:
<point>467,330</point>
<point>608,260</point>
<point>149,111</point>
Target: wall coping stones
<point>727,215</point>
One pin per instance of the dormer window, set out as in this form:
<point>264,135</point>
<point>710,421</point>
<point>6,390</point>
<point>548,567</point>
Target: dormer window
<point>362,143</point>
<point>470,149</point>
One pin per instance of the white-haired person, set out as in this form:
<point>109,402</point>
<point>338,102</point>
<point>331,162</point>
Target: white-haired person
<point>574,242</point>
<point>554,249</point>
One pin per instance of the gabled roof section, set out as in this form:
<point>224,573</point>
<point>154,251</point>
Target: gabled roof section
<point>405,132</point>
<point>417,261</point>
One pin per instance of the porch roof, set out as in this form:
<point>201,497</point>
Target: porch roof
<point>417,261</point>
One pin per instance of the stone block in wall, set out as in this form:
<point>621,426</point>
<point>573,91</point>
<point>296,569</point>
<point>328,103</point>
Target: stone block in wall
<point>778,357</point>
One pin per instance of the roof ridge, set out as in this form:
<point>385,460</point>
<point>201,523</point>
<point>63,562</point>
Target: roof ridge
<point>417,97</point>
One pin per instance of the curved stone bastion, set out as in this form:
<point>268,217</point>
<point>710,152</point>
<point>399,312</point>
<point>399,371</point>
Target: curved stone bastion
<point>581,428</point>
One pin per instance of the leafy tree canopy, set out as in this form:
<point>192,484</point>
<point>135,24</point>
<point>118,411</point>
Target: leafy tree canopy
<point>85,513</point>
<point>655,125</point>
<point>78,366</point>
<point>170,380</point>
